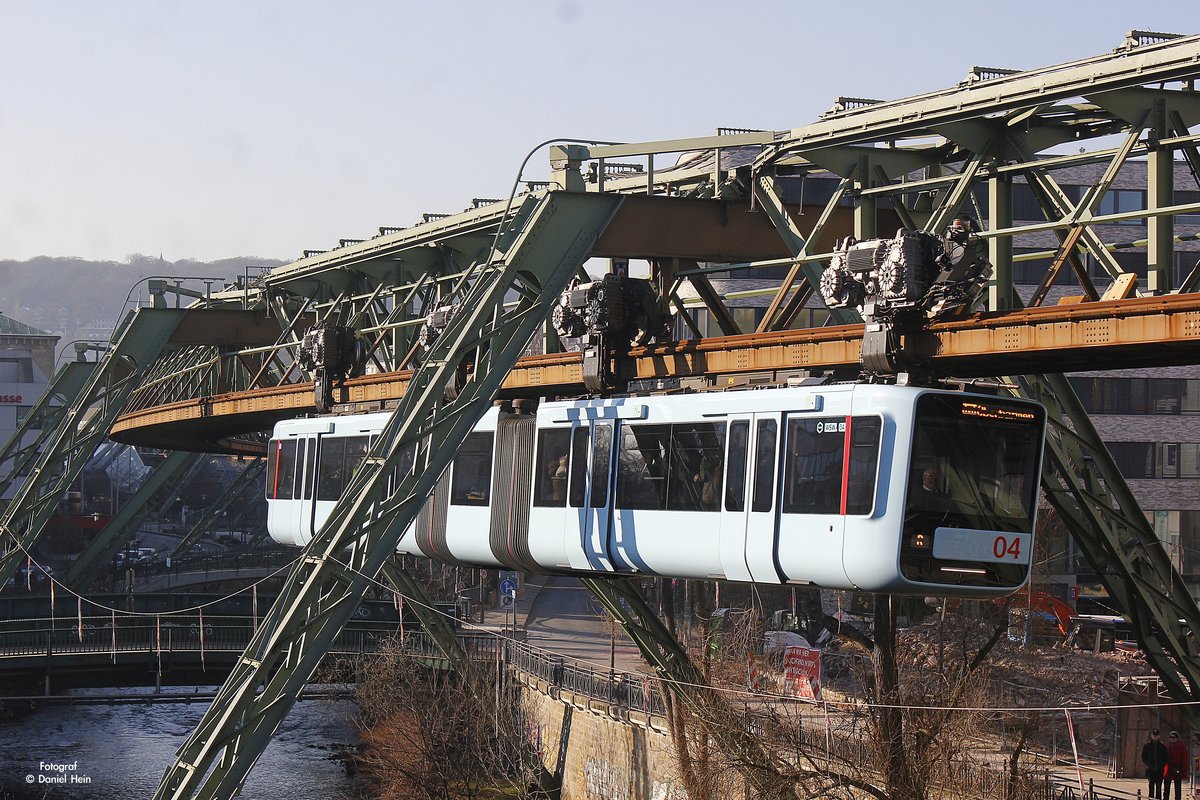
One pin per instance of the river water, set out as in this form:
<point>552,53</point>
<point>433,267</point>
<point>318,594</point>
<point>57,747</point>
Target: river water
<point>123,750</point>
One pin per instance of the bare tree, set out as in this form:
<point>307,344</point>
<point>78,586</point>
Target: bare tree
<point>434,734</point>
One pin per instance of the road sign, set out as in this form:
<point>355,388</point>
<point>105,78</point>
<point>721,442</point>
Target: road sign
<point>508,591</point>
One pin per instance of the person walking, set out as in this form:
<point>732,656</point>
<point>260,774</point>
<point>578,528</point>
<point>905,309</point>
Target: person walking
<point>1177,767</point>
<point>1154,757</point>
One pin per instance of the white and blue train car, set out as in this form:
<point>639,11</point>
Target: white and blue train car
<point>856,486</point>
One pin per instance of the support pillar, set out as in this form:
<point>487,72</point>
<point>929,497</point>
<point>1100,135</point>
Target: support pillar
<point>1000,249</point>
<point>1160,229</point>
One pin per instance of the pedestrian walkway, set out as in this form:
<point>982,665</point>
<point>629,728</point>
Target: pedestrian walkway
<point>508,618</point>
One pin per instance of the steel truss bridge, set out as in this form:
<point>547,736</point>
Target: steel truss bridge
<point>210,376</point>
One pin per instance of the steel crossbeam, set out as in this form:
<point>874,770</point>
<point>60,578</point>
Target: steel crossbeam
<point>138,342</point>
<point>432,621</point>
<point>338,565</point>
<point>524,252</point>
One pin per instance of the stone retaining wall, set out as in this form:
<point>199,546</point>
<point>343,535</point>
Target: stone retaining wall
<point>599,751</point>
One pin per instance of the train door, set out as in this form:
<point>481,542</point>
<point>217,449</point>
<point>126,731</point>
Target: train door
<point>749,509</point>
<point>812,502</point>
<point>306,461</point>
<point>590,491</point>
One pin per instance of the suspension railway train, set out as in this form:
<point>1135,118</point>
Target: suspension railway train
<point>869,487</point>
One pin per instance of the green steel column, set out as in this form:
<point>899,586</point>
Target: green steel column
<point>864,207</point>
<point>1160,245</point>
<point>139,340</point>
<point>1000,248</point>
<point>431,619</point>
<point>545,248</point>
<point>624,600</point>
<point>243,485</point>
<point>1083,483</point>
<point>43,419</point>
<point>124,524</point>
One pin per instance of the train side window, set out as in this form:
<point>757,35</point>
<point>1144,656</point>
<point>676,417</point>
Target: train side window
<point>601,451</point>
<point>310,468</point>
<point>735,475</point>
<point>471,481</point>
<point>812,480</point>
<point>642,467</point>
<point>551,468</point>
<point>764,465</point>
<point>281,469</point>
<point>579,450</point>
<point>403,468</point>
<point>697,465</point>
<point>357,448</point>
<point>331,480</point>
<point>864,460</point>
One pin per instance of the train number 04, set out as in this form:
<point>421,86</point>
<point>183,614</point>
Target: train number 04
<point>1005,548</point>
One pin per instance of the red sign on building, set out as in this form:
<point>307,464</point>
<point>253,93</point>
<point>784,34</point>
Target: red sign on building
<point>802,672</point>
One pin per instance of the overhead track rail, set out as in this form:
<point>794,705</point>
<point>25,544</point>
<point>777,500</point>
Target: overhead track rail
<point>1135,332</point>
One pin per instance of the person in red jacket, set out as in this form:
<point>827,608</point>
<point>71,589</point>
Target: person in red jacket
<point>1177,766</point>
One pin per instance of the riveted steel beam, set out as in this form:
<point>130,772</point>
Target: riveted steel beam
<point>622,598</point>
<point>432,621</point>
<point>799,245</point>
<point>1084,484</point>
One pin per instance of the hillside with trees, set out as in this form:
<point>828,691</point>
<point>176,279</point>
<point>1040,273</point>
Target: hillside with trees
<point>79,299</point>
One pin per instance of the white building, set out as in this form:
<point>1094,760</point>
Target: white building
<point>26,364</point>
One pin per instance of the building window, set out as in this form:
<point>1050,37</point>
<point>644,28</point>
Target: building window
<point>1141,396</point>
<point>1147,460</point>
<point>1189,460</point>
<point>1121,201</point>
<point>1134,459</point>
<point>1187,198</point>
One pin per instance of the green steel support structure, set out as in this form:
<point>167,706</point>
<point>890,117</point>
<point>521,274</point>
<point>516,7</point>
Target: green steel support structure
<point>539,250</point>
<point>165,479</point>
<point>243,486</point>
<point>43,418</point>
<point>432,621</point>
<point>622,598</point>
<point>987,131</point>
<point>73,441</point>
<point>1083,483</point>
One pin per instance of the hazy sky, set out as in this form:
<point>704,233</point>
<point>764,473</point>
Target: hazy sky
<point>216,129</point>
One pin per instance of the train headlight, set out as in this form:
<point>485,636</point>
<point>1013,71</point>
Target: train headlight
<point>922,541</point>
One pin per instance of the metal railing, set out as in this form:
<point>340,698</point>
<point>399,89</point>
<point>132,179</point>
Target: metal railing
<point>167,634</point>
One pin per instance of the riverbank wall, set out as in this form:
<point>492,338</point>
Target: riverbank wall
<point>597,750</point>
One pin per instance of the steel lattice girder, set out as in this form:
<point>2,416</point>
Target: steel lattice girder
<point>67,450</point>
<point>327,584</point>
<point>1084,484</point>
<point>245,483</point>
<point>432,621</point>
<point>44,418</point>
<point>165,479</point>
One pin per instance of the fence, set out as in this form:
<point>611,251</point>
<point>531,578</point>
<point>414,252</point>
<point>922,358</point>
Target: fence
<point>173,633</point>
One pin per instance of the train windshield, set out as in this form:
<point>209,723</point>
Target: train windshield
<point>974,467</point>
